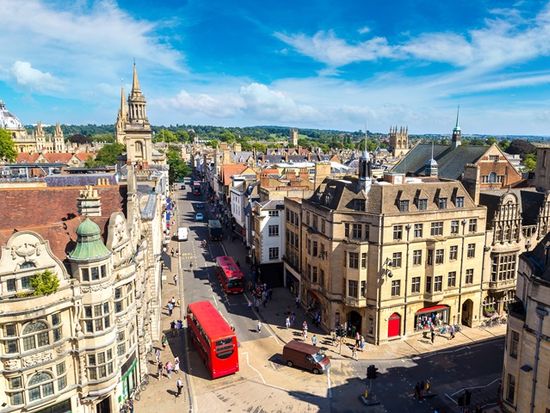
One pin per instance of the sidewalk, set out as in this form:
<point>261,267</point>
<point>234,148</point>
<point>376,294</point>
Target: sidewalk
<point>283,301</point>
<point>160,395</point>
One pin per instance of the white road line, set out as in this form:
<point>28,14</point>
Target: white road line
<point>329,392</point>
<point>253,368</point>
<point>268,327</point>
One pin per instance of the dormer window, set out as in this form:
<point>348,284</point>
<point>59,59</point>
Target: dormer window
<point>442,203</point>
<point>422,204</point>
<point>404,205</point>
<point>459,202</point>
<point>359,204</point>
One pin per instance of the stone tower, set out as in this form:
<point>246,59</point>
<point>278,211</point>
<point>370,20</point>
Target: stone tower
<point>121,120</point>
<point>399,141</point>
<point>456,139</point>
<point>58,140</point>
<point>294,137</point>
<point>365,173</point>
<point>137,130</point>
<point>39,137</point>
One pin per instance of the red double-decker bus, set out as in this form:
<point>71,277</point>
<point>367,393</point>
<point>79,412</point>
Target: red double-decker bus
<point>229,274</point>
<point>213,338</point>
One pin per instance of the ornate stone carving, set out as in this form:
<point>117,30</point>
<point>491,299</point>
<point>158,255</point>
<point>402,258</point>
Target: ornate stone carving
<point>10,364</point>
<point>36,359</point>
<point>26,250</point>
<point>94,288</point>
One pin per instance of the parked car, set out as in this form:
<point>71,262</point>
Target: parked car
<point>303,355</point>
<point>199,216</point>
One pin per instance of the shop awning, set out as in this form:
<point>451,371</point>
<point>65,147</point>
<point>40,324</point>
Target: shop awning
<point>432,309</point>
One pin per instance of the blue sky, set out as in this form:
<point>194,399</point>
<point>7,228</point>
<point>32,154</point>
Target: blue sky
<point>321,64</point>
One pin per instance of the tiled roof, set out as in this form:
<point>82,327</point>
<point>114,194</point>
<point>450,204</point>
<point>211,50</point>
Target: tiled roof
<point>84,156</point>
<point>450,161</point>
<point>25,157</point>
<point>58,157</point>
<point>227,171</point>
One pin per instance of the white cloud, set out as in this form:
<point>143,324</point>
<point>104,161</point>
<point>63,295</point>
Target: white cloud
<point>364,30</point>
<point>27,76</point>
<point>325,47</point>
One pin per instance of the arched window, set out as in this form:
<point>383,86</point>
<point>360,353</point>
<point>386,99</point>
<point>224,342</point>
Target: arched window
<point>40,386</point>
<point>35,335</point>
<point>27,264</point>
<point>139,149</point>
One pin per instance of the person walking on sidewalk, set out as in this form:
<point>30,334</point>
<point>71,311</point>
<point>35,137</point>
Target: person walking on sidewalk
<point>177,365</point>
<point>169,369</point>
<point>179,386</point>
<point>170,308</point>
<point>432,335</point>
<point>259,326</point>
<point>354,352</point>
<point>175,279</point>
<point>452,331</point>
<point>159,370</point>
<point>314,339</point>
<point>287,322</point>
<point>157,353</point>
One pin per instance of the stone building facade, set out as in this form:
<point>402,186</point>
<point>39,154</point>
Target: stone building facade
<point>526,372</point>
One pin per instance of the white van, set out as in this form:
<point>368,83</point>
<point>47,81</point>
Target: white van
<point>183,233</point>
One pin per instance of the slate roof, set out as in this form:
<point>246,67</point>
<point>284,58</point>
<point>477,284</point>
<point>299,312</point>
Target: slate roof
<point>78,179</point>
<point>450,160</point>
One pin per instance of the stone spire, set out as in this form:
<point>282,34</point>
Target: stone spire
<point>58,133</point>
<point>136,102</point>
<point>457,133</point>
<point>135,81</point>
<point>122,110</point>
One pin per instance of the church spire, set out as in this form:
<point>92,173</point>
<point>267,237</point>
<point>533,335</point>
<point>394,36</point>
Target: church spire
<point>457,126</point>
<point>122,111</point>
<point>457,133</point>
<point>135,81</point>
<point>136,102</point>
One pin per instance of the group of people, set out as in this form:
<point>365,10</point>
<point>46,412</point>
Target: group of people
<point>261,295</point>
<point>422,388</point>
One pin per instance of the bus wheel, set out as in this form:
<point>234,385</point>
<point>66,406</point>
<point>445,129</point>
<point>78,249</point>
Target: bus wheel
<point>315,371</point>
<point>289,363</point>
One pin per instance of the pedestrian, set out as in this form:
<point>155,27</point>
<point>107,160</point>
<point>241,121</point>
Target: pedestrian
<point>417,390</point>
<point>432,335</point>
<point>159,369</point>
<point>130,405</point>
<point>175,279</point>
<point>287,322</point>
<point>172,252</point>
<point>173,301</point>
<point>304,333</point>
<point>179,386</point>
<point>314,339</point>
<point>177,365</point>
<point>157,353</point>
<point>333,337</point>
<point>259,326</point>
<point>173,328</point>
<point>354,352</point>
<point>170,309</point>
<point>357,338</point>
<point>452,330</point>
<point>169,369</point>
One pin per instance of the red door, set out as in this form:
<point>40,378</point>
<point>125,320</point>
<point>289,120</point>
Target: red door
<point>394,325</point>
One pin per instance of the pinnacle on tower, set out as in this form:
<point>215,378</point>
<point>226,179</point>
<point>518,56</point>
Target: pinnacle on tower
<point>135,81</point>
<point>122,103</point>
<point>457,126</point>
<point>58,132</point>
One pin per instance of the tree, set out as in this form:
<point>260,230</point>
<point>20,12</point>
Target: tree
<point>183,136</point>
<point>530,162</point>
<point>107,155</point>
<point>44,283</point>
<point>178,168</point>
<point>491,140</point>
<point>504,145</point>
<point>165,135</point>
<point>521,147</point>
<point>7,147</point>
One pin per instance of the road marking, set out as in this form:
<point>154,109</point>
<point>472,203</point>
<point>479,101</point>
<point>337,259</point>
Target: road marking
<point>329,392</point>
<point>253,368</point>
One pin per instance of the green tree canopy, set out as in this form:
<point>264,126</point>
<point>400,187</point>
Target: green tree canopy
<point>178,168</point>
<point>7,147</point>
<point>530,162</point>
<point>107,155</point>
<point>44,283</point>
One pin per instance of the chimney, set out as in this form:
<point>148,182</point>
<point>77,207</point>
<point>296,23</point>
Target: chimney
<point>322,170</point>
<point>472,181</point>
<point>89,202</point>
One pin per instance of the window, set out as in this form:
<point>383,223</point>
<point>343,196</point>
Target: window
<point>359,204</point>
<point>451,279</point>
<point>27,264</point>
<point>61,371</point>
<point>357,231</point>
<point>95,273</point>
<point>454,227</point>
<point>10,345</point>
<point>321,277</point>
<point>367,232</point>
<point>10,285</point>
<point>404,206</point>
<point>25,283</point>
<point>100,364</point>
<point>273,230</point>
<point>510,389</point>
<point>35,335</point>
<point>96,318</point>
<point>438,283</point>
<point>472,226</point>
<point>346,230</point>
<point>322,253</point>
<point>428,284</point>
<point>274,253</point>
<point>422,204</point>
<point>352,288</point>
<point>363,288</point>
<point>397,232</point>
<point>395,288</point>
<point>471,250</point>
<point>503,267</point>
<point>396,260</point>
<point>430,258</point>
<point>417,257</point>
<point>493,157</point>
<point>363,260</point>
<point>315,222</point>
<point>453,252</point>
<point>15,383</point>
<point>418,229</point>
<point>353,260</point>
<point>56,322</point>
<point>314,277</point>
<point>40,386</point>
<point>315,248</point>
<point>437,228</point>
<point>415,285</point>
<point>459,202</point>
<point>442,203</point>
<point>439,256</point>
<point>323,226</point>
<point>469,276</point>
<point>85,274</point>
<point>514,344</point>
<point>273,213</point>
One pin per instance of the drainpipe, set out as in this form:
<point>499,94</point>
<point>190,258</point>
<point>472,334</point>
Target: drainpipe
<point>541,313</point>
<point>408,228</point>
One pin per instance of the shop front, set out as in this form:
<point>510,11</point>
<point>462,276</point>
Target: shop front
<point>128,379</point>
<point>62,407</point>
<point>435,315</point>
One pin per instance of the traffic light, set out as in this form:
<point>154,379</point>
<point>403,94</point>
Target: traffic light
<point>372,371</point>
